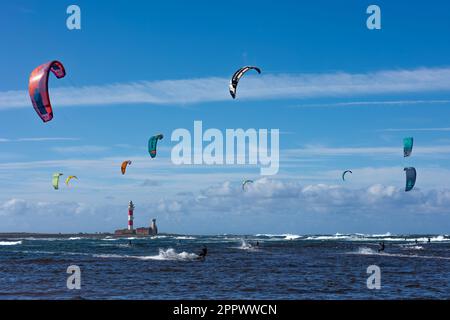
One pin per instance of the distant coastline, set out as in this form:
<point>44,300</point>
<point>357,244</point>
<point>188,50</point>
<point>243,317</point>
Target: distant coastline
<point>52,235</point>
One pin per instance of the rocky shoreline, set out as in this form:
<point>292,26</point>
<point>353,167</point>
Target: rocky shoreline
<point>52,235</point>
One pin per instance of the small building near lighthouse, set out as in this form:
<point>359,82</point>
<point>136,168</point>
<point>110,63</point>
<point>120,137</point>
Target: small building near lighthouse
<point>152,230</point>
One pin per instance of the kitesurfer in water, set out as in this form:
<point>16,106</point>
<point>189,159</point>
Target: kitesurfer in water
<point>257,244</point>
<point>381,247</point>
<point>203,253</point>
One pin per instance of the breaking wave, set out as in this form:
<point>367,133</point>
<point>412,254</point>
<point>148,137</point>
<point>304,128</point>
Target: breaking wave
<point>284,236</point>
<point>109,239</point>
<point>246,246</point>
<point>169,254</point>
<point>369,251</point>
<point>366,251</point>
<point>10,243</point>
<point>376,237</point>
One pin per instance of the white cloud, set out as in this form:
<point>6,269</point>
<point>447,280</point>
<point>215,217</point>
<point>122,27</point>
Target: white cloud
<point>277,197</point>
<point>45,139</point>
<point>22,207</point>
<point>39,139</point>
<point>80,149</point>
<point>14,207</point>
<point>415,129</point>
<point>365,151</point>
<point>254,87</point>
<point>267,205</point>
<point>374,103</point>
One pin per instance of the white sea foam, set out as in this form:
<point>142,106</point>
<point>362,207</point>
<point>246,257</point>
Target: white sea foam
<point>10,243</point>
<point>387,234</point>
<point>158,237</point>
<point>185,238</point>
<point>291,237</point>
<point>284,236</point>
<point>106,255</point>
<point>169,254</point>
<point>375,237</point>
<point>433,239</point>
<point>366,251</point>
<point>369,251</point>
<point>335,237</point>
<point>247,246</point>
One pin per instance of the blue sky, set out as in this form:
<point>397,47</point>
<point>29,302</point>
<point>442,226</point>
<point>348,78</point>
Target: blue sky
<point>342,96</point>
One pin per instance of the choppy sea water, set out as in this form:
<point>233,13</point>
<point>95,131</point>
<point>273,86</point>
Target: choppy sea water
<point>282,267</point>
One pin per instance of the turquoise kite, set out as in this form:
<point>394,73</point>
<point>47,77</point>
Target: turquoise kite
<point>152,142</point>
<point>408,146</point>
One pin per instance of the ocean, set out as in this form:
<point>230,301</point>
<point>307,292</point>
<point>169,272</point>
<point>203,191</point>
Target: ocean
<point>281,267</point>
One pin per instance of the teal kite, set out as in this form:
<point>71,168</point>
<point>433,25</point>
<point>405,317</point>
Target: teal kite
<point>411,176</point>
<point>152,142</point>
<point>408,146</point>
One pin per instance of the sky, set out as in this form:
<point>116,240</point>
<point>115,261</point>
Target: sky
<point>342,96</point>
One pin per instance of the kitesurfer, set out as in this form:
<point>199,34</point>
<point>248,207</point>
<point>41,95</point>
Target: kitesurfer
<point>203,253</point>
<point>381,247</point>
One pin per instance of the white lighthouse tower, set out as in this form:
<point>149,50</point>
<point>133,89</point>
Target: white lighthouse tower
<point>130,215</point>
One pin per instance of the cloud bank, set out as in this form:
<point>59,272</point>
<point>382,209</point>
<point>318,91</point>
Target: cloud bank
<point>271,86</point>
<point>286,206</point>
<point>280,197</point>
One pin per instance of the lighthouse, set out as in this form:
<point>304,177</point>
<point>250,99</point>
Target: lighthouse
<point>153,230</point>
<point>130,215</point>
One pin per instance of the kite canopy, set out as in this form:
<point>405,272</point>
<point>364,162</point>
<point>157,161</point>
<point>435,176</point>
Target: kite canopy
<point>344,173</point>
<point>237,76</point>
<point>411,175</point>
<point>55,180</point>
<point>70,178</point>
<point>152,142</point>
<point>245,183</point>
<point>124,165</point>
<point>407,146</point>
<point>38,88</point>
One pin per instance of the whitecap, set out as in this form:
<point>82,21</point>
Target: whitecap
<point>10,243</point>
